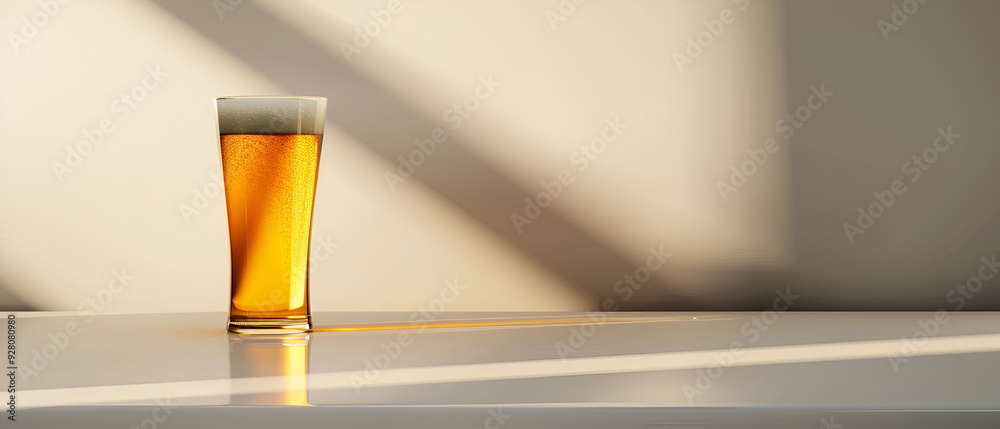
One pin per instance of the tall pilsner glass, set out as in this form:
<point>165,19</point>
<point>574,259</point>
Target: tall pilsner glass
<point>270,158</point>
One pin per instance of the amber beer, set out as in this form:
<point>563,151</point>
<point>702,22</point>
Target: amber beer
<point>270,159</point>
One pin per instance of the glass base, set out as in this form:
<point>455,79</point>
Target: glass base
<point>270,326</point>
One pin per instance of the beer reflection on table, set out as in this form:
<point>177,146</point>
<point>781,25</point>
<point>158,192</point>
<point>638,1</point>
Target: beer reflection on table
<point>282,358</point>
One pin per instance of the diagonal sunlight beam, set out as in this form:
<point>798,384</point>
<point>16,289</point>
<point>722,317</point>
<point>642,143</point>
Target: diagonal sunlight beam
<point>386,124</point>
<point>669,361</point>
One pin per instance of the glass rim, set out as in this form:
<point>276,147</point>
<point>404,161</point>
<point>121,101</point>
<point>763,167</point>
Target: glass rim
<point>273,97</point>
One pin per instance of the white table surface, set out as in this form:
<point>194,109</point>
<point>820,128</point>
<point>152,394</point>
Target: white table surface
<point>807,370</point>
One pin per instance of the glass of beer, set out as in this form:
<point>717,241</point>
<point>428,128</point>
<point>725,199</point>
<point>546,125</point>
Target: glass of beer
<point>270,159</point>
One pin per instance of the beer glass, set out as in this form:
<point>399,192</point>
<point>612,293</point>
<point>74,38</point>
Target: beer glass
<point>270,150</point>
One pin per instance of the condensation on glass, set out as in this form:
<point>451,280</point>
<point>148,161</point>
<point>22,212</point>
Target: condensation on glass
<point>270,149</point>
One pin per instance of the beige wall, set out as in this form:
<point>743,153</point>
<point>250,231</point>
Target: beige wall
<point>559,80</point>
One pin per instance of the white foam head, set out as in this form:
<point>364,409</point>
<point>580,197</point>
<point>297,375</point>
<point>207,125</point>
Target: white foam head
<point>271,115</point>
